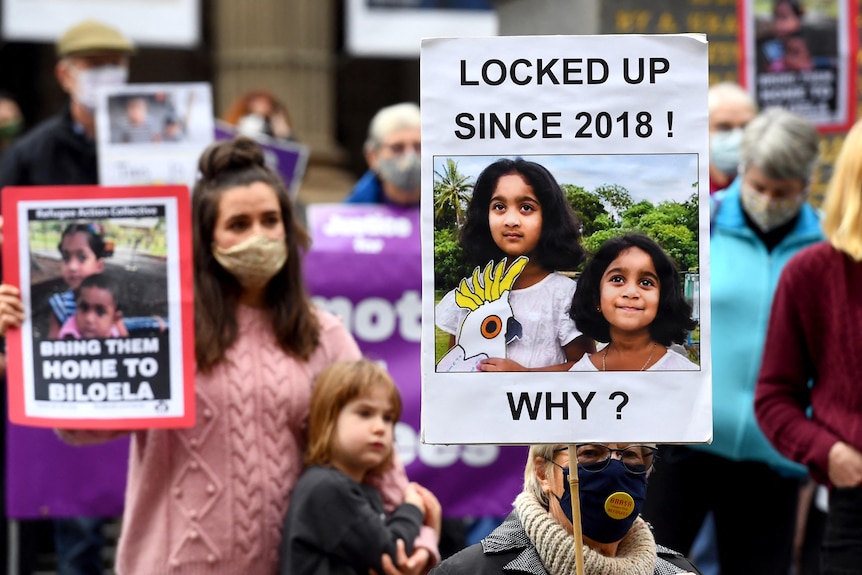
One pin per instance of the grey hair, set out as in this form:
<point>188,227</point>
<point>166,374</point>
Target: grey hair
<point>724,92</point>
<point>531,481</point>
<point>780,143</point>
<point>389,119</point>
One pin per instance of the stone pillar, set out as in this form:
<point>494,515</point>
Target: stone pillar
<point>289,49</point>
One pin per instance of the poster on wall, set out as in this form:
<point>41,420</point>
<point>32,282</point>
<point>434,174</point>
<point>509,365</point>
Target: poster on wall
<point>170,24</point>
<point>105,277</point>
<point>395,28</point>
<point>539,150</point>
<point>801,55</point>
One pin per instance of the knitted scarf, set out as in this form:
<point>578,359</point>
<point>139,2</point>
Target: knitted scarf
<point>636,554</point>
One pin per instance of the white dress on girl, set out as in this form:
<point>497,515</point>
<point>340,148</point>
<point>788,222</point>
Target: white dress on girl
<point>670,361</point>
<point>543,311</point>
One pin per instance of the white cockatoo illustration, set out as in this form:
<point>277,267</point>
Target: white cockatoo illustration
<point>489,324</point>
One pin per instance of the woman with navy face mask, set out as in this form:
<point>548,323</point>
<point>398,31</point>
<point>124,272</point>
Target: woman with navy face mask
<point>536,538</point>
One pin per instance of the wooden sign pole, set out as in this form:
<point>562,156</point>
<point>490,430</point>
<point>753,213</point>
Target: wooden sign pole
<point>576,509</point>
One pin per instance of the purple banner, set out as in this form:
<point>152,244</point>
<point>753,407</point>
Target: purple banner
<point>287,158</point>
<point>46,477</point>
<point>365,266</point>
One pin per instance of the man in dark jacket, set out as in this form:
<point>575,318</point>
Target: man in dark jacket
<point>61,150</point>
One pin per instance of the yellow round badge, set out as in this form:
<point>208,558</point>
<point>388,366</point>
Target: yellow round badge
<point>619,505</point>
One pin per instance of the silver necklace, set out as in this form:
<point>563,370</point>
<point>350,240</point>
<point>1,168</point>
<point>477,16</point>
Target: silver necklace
<point>649,359</point>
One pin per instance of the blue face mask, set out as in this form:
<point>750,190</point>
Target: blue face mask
<point>724,150</point>
<point>611,500</point>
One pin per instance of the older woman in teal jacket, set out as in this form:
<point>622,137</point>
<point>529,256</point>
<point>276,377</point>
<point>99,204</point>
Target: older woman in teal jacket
<point>758,223</point>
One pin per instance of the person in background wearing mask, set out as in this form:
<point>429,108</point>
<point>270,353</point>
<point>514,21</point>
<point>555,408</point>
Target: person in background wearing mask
<point>11,120</point>
<point>61,150</point>
<point>259,112</point>
<point>392,151</point>
<point>730,109</point>
<point>758,223</point>
<point>536,538</point>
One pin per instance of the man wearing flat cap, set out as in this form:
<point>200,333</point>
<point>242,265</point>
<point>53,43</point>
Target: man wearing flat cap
<point>61,150</point>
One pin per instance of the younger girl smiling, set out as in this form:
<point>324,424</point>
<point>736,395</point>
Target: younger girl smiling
<point>630,296</point>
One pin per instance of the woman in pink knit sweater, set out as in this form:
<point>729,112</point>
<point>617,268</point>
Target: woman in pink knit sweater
<point>211,499</point>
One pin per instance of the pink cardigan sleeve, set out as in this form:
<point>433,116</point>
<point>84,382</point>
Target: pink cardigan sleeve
<point>391,486</point>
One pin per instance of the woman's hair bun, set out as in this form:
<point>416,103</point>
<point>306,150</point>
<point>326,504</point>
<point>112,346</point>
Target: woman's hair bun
<point>226,156</point>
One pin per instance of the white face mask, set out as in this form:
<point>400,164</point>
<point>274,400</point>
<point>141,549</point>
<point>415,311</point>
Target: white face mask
<point>724,150</point>
<point>404,171</point>
<point>89,80</point>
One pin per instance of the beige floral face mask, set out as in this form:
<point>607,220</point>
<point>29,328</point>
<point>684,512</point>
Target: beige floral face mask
<point>253,262</point>
<point>769,213</point>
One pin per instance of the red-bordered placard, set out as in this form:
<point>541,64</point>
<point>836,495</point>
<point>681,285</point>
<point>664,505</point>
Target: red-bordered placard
<point>105,275</point>
<point>801,56</point>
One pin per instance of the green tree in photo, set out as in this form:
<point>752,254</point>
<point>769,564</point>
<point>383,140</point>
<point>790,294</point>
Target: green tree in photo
<point>691,206</point>
<point>449,265</point>
<point>678,242</point>
<point>633,216</point>
<point>593,242</point>
<point>616,197</point>
<point>587,206</point>
<point>452,192</point>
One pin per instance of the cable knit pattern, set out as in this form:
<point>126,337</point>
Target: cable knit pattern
<point>636,554</point>
<point>211,499</point>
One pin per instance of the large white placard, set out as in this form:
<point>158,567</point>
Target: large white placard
<point>151,134</point>
<point>619,112</point>
<point>395,28</point>
<point>175,23</point>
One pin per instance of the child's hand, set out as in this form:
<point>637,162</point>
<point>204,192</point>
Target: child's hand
<point>416,564</point>
<point>433,510</point>
<point>11,308</point>
<point>413,496</point>
<point>500,364</point>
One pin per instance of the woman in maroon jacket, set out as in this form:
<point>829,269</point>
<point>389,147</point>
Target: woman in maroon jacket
<point>808,400</point>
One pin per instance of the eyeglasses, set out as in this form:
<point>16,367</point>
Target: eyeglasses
<point>596,457</point>
<point>399,148</point>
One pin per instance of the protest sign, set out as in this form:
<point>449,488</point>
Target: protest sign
<point>287,158</point>
<point>105,277</point>
<point>802,57</point>
<point>394,28</point>
<point>150,134</point>
<point>365,266</point>
<point>168,24</point>
<point>621,123</point>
